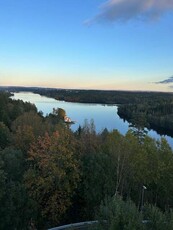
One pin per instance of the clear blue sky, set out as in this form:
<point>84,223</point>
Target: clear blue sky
<point>98,44</point>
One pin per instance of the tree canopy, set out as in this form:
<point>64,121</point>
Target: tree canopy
<point>50,175</point>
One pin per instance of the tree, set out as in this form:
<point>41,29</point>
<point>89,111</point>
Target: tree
<point>2,180</point>
<point>157,219</point>
<point>137,126</point>
<point>5,136</point>
<point>26,128</point>
<point>120,215</point>
<point>52,175</point>
<point>15,208</point>
<point>59,112</point>
<point>117,147</point>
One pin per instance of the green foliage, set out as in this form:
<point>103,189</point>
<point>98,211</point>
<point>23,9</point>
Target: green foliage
<point>97,181</point>
<point>26,128</point>
<point>10,110</point>
<point>52,175</point>
<point>157,115</point>
<point>13,164</point>
<point>5,136</point>
<point>2,179</point>
<point>15,207</point>
<point>117,214</point>
<point>60,113</point>
<point>120,215</point>
<point>108,97</point>
<point>156,219</point>
<point>56,117</point>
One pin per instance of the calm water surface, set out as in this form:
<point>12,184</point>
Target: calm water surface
<point>104,116</point>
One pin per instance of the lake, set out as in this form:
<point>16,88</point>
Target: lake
<point>104,116</point>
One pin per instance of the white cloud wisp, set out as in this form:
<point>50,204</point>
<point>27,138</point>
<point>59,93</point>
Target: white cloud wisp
<point>125,10</point>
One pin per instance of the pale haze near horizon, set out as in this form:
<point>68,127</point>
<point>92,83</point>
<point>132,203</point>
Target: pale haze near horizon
<point>87,44</point>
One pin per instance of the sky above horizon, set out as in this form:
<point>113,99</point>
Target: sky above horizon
<point>91,44</point>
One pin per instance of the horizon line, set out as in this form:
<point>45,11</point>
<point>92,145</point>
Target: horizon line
<point>56,88</point>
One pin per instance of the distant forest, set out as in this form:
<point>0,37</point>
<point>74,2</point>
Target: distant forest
<point>51,176</point>
<point>153,110</point>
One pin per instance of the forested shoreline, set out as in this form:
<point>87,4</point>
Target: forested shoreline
<point>153,110</point>
<point>51,176</point>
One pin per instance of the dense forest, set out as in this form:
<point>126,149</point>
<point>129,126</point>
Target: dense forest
<point>153,110</point>
<point>157,116</point>
<point>98,96</point>
<point>51,176</point>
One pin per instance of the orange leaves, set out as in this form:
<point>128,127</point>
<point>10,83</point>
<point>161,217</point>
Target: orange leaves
<point>52,175</point>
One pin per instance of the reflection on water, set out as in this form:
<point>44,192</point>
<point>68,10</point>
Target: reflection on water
<point>104,116</point>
